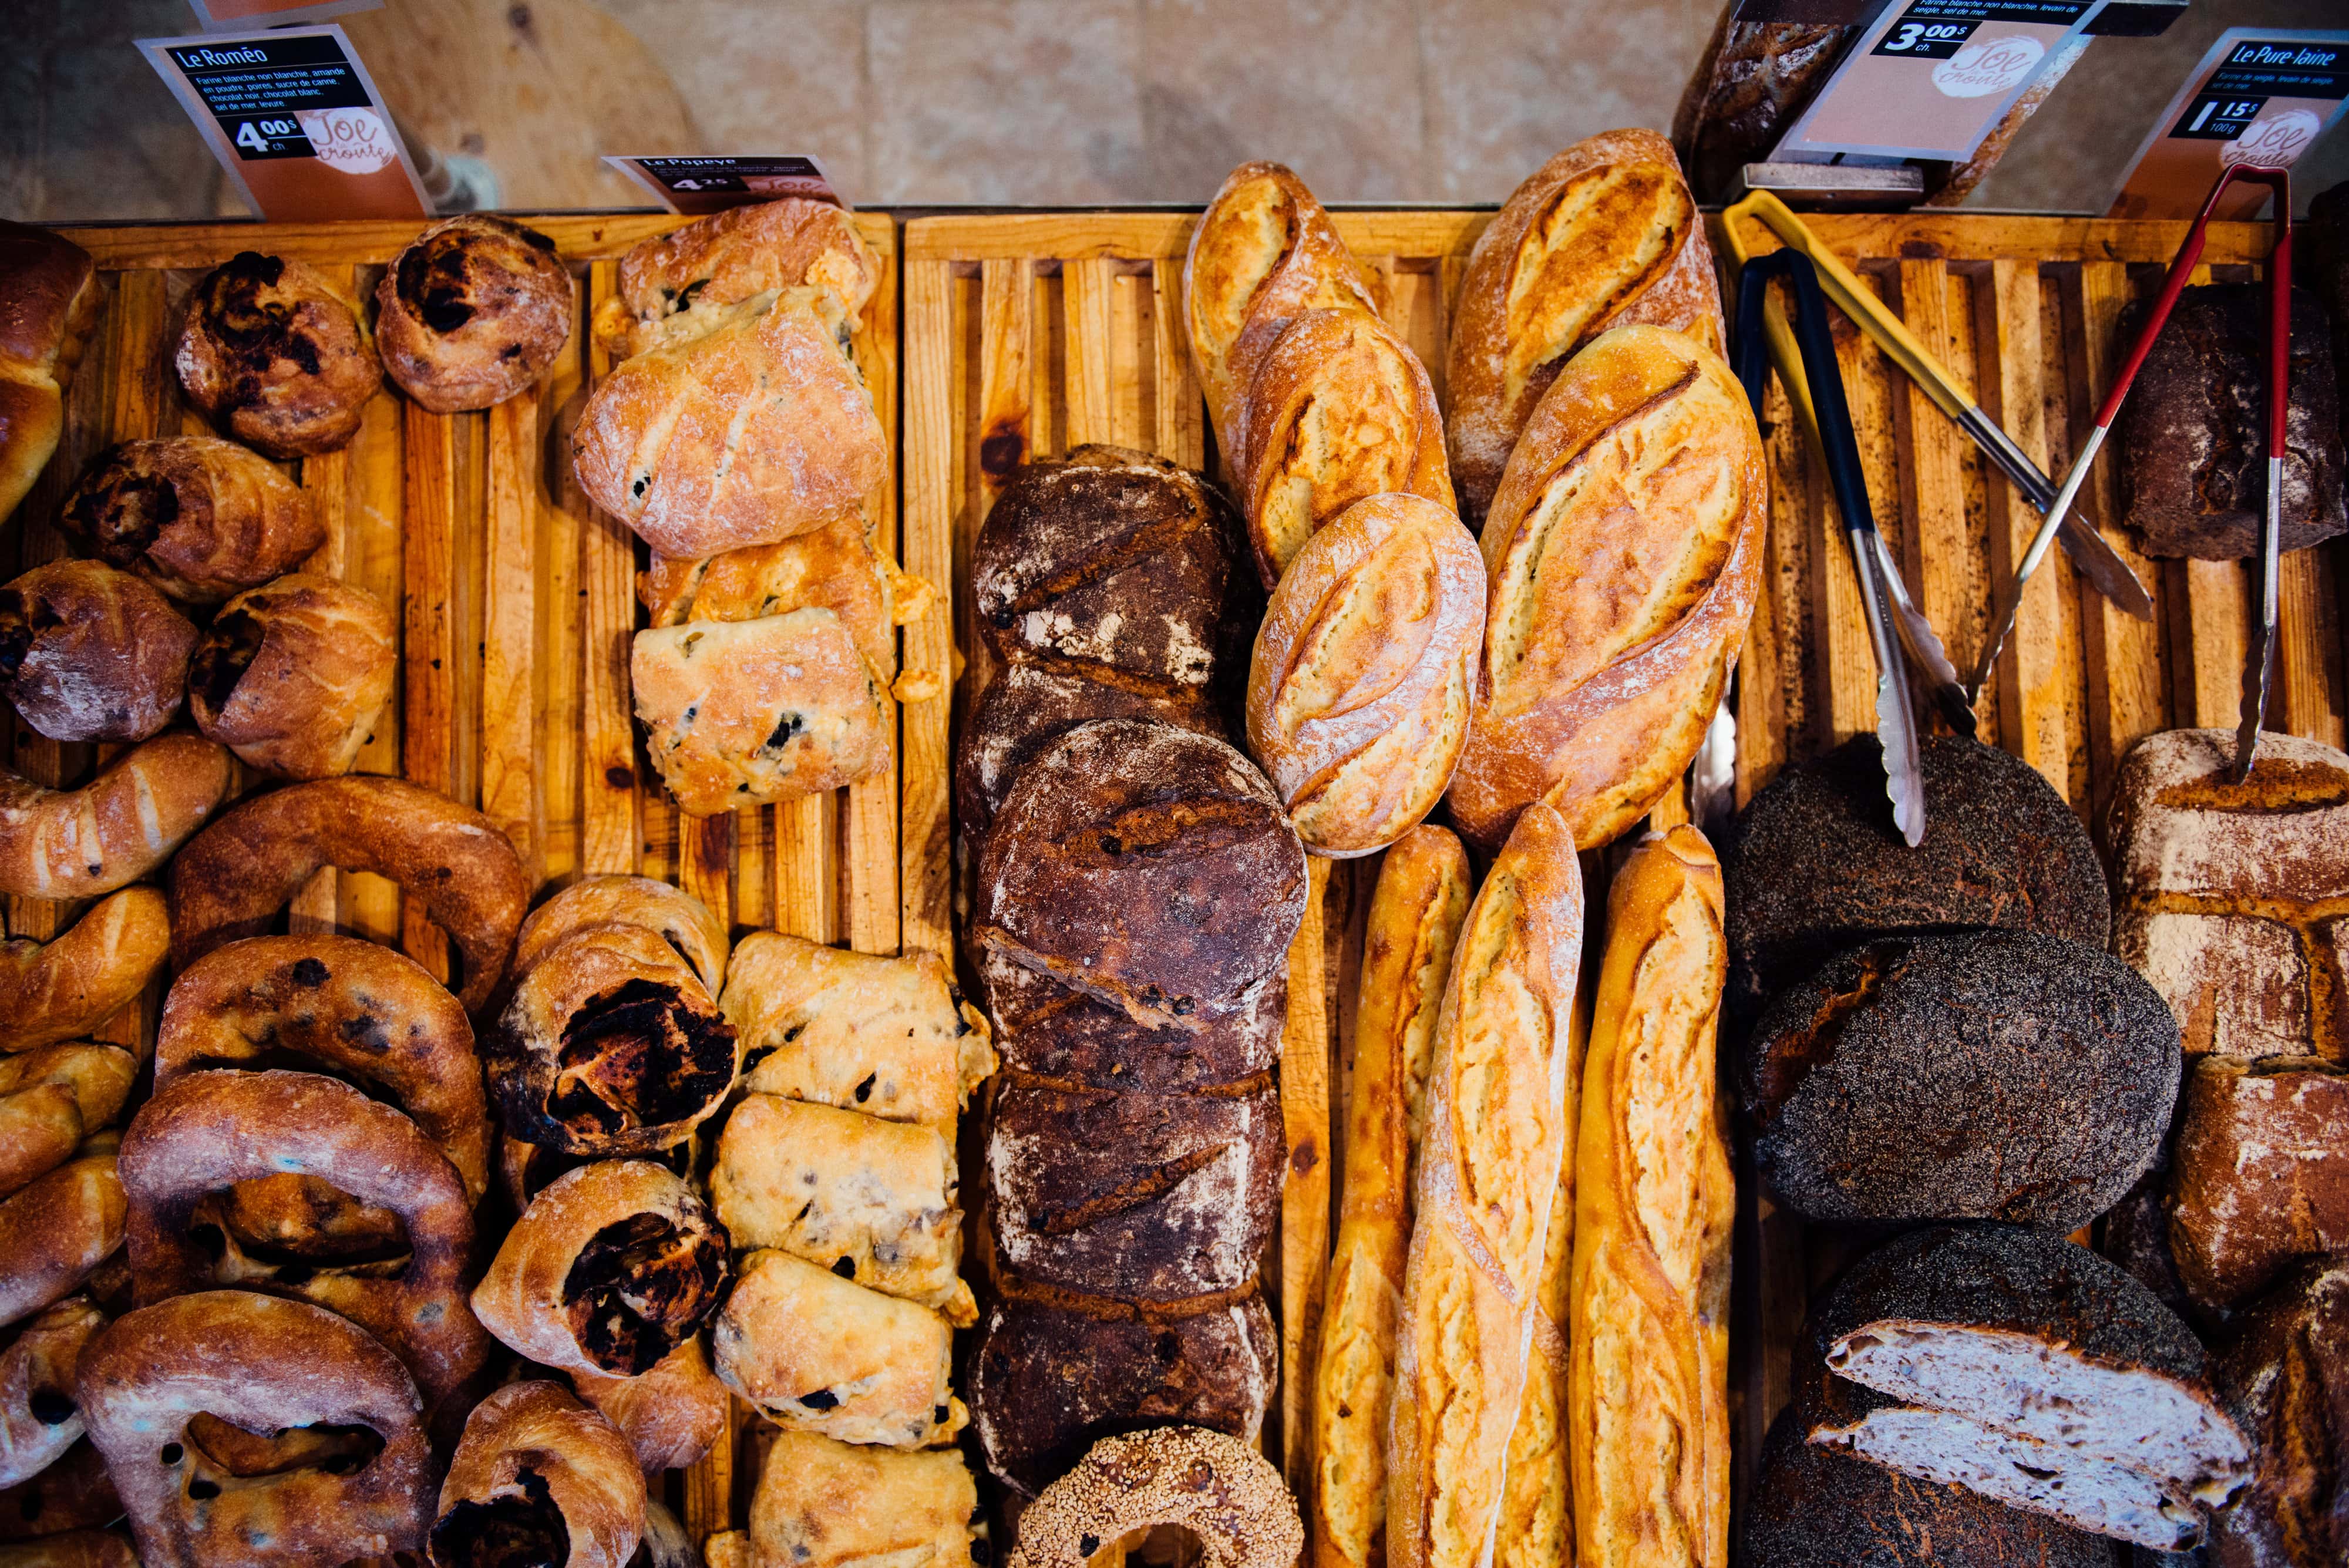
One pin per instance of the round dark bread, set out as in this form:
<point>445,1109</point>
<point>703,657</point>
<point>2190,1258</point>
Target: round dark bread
<point>1145,866</point>
<point>1115,563</point>
<point>1142,1197</point>
<point>1046,1380</point>
<point>1813,864</point>
<point>1048,1030</point>
<point>1027,707</point>
<point>2287,1378</point>
<point>2009,1277</point>
<point>1818,1507</point>
<point>1995,1075</point>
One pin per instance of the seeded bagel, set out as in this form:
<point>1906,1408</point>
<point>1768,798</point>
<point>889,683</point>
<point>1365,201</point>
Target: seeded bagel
<point>1813,864</point>
<point>1992,1074</point>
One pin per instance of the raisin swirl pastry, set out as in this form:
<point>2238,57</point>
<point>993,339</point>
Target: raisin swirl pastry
<point>473,310</point>
<point>291,676</point>
<point>201,518</point>
<point>277,356</point>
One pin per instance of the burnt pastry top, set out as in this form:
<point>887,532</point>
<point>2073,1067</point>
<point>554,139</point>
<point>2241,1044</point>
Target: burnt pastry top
<point>473,310</point>
<point>277,356</point>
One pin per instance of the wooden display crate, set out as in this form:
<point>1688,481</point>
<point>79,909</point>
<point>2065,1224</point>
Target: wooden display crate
<point>1028,334</point>
<point>517,601</point>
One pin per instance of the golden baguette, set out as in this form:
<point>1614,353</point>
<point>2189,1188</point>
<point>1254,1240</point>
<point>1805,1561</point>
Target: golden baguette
<point>1536,1523</point>
<point>1264,252</point>
<point>1621,556</point>
<point>1605,234</point>
<point>1647,1325</point>
<point>1500,1111</point>
<point>1340,408</point>
<point>1415,922</point>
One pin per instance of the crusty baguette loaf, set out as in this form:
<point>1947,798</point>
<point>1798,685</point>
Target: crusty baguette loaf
<point>1536,1527</point>
<point>1654,1200</point>
<point>64,987</point>
<point>1339,409</point>
<point>1499,1110</point>
<point>1605,234</point>
<point>78,843</point>
<point>1358,693</point>
<point>1263,253</point>
<point>1621,556</point>
<point>1414,921</point>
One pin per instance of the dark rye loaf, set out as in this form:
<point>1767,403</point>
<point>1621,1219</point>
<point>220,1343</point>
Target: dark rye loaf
<point>1146,867</point>
<point>2287,1376</point>
<point>1994,1075</point>
<point>1046,1380</point>
<point>1818,1507</point>
<point>2193,433</point>
<point>1814,863</point>
<point>2028,1369</point>
<point>1046,1030</point>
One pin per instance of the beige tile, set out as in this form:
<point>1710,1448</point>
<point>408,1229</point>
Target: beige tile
<point>1007,100</point>
<point>1508,85</point>
<point>114,142</point>
<point>768,76</point>
<point>1331,88</point>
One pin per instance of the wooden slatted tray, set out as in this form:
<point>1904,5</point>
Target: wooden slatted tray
<point>518,601</point>
<point>1026,335</point>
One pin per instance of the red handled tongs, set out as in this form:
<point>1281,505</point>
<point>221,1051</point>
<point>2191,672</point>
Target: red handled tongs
<point>2260,666</point>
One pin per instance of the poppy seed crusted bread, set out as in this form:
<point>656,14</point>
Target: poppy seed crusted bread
<point>1992,1074</point>
<point>1814,865</point>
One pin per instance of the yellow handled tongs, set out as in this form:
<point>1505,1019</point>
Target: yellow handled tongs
<point>2096,561</point>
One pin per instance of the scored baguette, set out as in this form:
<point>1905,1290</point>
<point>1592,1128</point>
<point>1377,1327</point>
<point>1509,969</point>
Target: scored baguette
<point>1263,253</point>
<point>1621,556</point>
<point>1605,234</point>
<point>1647,1325</point>
<point>1414,921</point>
<point>1499,1110</point>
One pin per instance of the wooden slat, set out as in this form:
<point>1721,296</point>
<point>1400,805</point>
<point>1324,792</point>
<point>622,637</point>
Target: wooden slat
<point>869,856</point>
<point>2309,699</point>
<point>1092,351</point>
<point>932,448</point>
<point>607,835</point>
<point>2033,690</point>
<point>428,636</point>
<point>1305,1196</point>
<point>510,690</point>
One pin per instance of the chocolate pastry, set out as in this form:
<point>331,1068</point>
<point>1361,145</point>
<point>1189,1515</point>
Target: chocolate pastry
<point>277,356</point>
<point>672,1415</point>
<point>88,653</point>
<point>472,311</point>
<point>539,1478</point>
<point>675,916</point>
<point>293,676</point>
<point>200,518</point>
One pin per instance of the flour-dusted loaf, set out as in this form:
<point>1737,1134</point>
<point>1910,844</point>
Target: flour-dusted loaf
<point>2015,1364</point>
<point>2259,1173</point>
<point>1414,921</point>
<point>1147,866</point>
<point>1365,671</point>
<point>1148,1198</point>
<point>671,284</point>
<point>1055,1031</point>
<point>1988,1075</point>
<point>90,653</point>
<point>742,714</point>
<point>1621,555</point>
<point>1500,1115</point>
<point>1605,234</point>
<point>2193,433</point>
<point>1047,1380</point>
<point>201,518</point>
<point>1339,410</point>
<point>1814,865</point>
<point>277,356</point>
<point>51,293</point>
<point>1654,1198</point>
<point>817,1353</point>
<point>1263,253</point>
<point>754,429</point>
<point>2223,892</point>
<point>2286,1377</point>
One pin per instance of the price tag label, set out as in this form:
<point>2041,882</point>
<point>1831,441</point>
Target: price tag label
<point>2258,96</point>
<point>712,184</point>
<point>296,120</point>
<point>236,15</point>
<point>1931,77</point>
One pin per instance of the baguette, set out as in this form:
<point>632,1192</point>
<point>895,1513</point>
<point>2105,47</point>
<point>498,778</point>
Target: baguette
<point>1536,1528</point>
<point>1654,1200</point>
<point>1340,408</point>
<point>1605,234</point>
<point>1263,253</point>
<point>1500,1107</point>
<point>79,842</point>
<point>1622,557</point>
<point>1414,921</point>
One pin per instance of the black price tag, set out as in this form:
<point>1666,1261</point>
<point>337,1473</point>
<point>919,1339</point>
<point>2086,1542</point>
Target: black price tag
<point>256,89</point>
<point>710,184</point>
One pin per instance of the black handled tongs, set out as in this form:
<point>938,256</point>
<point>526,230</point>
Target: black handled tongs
<point>2258,668</point>
<point>1895,719</point>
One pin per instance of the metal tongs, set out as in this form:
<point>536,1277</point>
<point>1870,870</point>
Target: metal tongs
<point>1818,381</point>
<point>2258,668</point>
<point>2096,561</point>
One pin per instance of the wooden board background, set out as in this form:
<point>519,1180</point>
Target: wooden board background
<point>1028,334</point>
<point>516,601</point>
